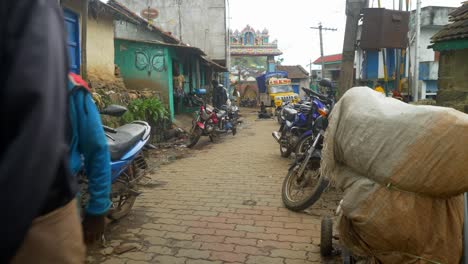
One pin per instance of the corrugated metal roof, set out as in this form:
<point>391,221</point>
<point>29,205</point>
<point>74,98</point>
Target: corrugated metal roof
<point>458,29</point>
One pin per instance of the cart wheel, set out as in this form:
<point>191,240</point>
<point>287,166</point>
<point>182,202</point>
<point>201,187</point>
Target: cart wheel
<point>346,256</point>
<point>326,237</point>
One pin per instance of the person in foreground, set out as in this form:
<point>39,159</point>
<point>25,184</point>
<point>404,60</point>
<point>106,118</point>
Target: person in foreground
<point>40,221</point>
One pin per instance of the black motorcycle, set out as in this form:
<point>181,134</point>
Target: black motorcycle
<point>303,184</point>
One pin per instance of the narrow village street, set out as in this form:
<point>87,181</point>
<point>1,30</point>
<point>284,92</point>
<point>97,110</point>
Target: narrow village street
<point>222,204</point>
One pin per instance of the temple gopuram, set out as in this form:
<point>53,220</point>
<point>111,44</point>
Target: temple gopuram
<point>251,43</point>
<point>252,54</point>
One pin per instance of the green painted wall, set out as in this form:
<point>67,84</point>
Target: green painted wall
<point>145,66</point>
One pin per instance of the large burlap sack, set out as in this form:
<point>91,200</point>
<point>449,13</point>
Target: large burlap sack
<point>390,226</point>
<point>422,149</point>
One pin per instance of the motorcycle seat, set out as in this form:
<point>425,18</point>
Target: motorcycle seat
<point>124,139</point>
<point>221,113</point>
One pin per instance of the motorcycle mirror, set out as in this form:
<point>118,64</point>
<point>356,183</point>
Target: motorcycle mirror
<point>114,110</point>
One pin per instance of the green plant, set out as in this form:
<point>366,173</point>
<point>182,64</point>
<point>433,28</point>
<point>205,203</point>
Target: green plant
<point>149,109</point>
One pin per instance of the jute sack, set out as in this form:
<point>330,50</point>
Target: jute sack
<point>390,226</point>
<point>422,149</point>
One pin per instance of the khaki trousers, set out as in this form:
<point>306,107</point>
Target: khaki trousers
<point>54,238</point>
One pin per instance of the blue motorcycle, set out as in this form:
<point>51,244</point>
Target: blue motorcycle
<point>128,164</point>
<point>296,125</point>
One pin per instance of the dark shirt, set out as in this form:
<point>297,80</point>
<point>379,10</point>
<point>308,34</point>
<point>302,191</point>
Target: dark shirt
<point>33,151</point>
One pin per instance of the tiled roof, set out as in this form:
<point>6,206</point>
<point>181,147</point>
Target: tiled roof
<point>294,71</point>
<point>329,59</point>
<point>458,29</point>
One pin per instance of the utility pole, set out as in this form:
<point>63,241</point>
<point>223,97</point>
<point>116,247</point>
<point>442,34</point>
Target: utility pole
<point>398,58</point>
<point>320,29</point>
<point>416,52</point>
<point>353,14</point>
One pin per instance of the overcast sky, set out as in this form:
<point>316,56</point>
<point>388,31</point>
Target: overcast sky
<point>290,21</point>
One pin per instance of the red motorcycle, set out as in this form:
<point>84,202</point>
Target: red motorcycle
<point>204,124</point>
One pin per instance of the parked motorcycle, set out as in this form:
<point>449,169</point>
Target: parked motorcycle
<point>303,186</point>
<point>297,120</point>
<point>128,164</point>
<point>229,118</point>
<point>204,124</point>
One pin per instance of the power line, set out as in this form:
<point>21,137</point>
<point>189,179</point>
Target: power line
<point>320,29</point>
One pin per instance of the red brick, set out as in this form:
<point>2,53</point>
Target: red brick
<point>231,215</point>
<point>189,217</point>
<point>228,257</point>
<point>262,236</point>
<point>230,233</point>
<point>239,221</point>
<point>250,228</point>
<point>193,253</point>
<point>208,238</point>
<point>303,226</point>
<point>221,226</point>
<point>213,219</point>
<point>205,213</point>
<point>274,244</point>
<point>167,221</point>
<point>269,224</point>
<point>218,247</point>
<point>182,212</point>
<point>251,250</point>
<point>281,231</point>
<point>223,209</point>
<point>194,223</point>
<point>276,213</point>
<point>249,211</point>
<point>290,254</point>
<point>241,241</point>
<point>286,219</point>
<point>298,239</point>
<point>259,217</point>
<point>200,231</point>
<point>266,208</point>
<point>178,236</point>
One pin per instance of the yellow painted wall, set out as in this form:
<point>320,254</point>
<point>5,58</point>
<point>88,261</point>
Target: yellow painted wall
<point>100,47</point>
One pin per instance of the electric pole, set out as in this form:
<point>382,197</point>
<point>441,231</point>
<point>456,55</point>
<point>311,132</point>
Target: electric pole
<point>416,52</point>
<point>353,14</point>
<point>320,29</point>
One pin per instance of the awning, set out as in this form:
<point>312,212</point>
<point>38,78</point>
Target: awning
<point>216,67</point>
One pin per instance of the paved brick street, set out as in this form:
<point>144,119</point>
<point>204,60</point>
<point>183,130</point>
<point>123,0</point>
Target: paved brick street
<point>220,205</point>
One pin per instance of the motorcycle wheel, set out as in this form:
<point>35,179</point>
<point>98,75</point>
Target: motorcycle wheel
<point>123,199</point>
<point>194,137</point>
<point>303,145</point>
<point>326,237</point>
<point>301,191</point>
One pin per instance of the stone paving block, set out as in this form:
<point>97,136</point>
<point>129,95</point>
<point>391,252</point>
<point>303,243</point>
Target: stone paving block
<point>289,254</point>
<point>168,259</point>
<point>264,260</point>
<point>194,253</point>
<point>228,256</point>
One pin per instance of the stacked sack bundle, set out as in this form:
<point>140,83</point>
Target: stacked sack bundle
<point>403,169</point>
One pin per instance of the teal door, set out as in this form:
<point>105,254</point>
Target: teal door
<point>72,25</point>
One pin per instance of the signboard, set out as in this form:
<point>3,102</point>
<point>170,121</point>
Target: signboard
<point>149,13</point>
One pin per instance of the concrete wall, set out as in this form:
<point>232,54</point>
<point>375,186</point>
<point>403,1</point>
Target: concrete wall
<point>100,47</point>
<point>453,79</point>
<point>128,30</point>
<point>203,22</point>
<point>134,60</point>
<point>434,16</point>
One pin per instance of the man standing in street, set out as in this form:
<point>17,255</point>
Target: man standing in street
<point>40,222</point>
